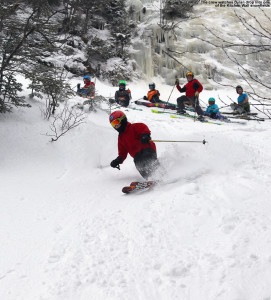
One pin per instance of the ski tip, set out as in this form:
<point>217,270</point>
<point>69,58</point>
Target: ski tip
<point>136,186</point>
<point>127,189</point>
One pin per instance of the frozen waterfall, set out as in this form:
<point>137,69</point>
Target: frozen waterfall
<point>182,41</point>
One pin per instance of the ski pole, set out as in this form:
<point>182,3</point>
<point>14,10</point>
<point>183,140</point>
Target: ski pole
<point>224,106</point>
<point>260,104</point>
<point>141,98</point>
<point>221,100</point>
<point>202,102</point>
<point>170,95</point>
<point>168,141</point>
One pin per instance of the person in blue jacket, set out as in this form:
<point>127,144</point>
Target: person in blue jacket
<point>89,88</point>
<point>212,110</point>
<point>243,105</point>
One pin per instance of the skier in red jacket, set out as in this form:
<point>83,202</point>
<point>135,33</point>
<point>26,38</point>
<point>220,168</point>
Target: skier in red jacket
<point>192,90</point>
<point>134,139</point>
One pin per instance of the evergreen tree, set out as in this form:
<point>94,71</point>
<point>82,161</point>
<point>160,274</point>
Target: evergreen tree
<point>177,8</point>
<point>117,17</point>
<point>12,39</point>
<point>34,32</point>
<point>29,36</point>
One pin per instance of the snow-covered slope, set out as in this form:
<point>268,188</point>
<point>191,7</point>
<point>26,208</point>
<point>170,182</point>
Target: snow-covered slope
<point>68,232</point>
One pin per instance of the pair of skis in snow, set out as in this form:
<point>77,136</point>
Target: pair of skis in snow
<point>138,186</point>
<point>161,104</point>
<point>179,116</point>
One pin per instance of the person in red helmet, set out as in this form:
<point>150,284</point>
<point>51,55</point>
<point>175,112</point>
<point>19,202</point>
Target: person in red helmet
<point>134,139</point>
<point>192,90</point>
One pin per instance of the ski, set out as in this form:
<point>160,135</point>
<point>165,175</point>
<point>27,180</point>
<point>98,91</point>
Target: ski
<point>137,186</point>
<point>168,103</point>
<point>157,104</point>
<point>235,122</point>
<point>140,109</point>
<point>162,112</point>
<point>249,118</point>
<point>178,116</point>
<point>128,107</point>
<point>237,114</point>
<point>191,109</point>
<point>169,112</point>
<point>187,115</point>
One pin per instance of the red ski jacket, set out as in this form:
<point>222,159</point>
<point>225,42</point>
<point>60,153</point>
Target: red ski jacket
<point>89,85</point>
<point>191,87</point>
<point>129,140</point>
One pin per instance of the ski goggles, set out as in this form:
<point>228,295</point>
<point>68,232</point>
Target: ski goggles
<point>117,121</point>
<point>189,74</point>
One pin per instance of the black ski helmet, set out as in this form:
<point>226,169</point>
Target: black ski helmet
<point>152,85</point>
<point>191,74</point>
<point>239,87</point>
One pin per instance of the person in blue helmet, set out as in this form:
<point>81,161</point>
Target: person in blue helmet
<point>89,88</point>
<point>212,111</point>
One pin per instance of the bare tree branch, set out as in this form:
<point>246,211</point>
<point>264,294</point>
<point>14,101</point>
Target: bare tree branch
<point>260,45</point>
<point>68,119</point>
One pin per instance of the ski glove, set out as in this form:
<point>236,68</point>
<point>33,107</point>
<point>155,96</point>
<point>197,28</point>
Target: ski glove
<point>177,82</point>
<point>115,163</point>
<point>145,138</point>
<point>197,94</point>
<point>145,98</point>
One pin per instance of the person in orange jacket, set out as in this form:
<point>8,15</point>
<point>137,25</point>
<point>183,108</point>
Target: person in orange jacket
<point>153,94</point>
